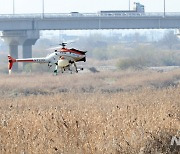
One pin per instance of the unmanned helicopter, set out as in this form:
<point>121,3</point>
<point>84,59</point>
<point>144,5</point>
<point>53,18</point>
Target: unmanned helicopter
<point>62,57</point>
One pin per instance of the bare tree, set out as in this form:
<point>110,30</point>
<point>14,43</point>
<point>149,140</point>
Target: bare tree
<point>169,40</point>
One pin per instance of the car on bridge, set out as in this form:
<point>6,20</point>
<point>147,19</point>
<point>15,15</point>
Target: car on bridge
<point>76,14</point>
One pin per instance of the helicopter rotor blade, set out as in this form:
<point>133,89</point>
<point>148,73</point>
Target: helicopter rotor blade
<point>54,48</point>
<point>63,44</point>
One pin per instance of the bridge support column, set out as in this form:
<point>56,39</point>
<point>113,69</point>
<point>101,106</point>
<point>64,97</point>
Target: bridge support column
<point>27,49</point>
<point>25,38</point>
<point>178,33</point>
<point>27,53</point>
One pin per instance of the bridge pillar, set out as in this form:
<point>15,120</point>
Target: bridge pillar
<point>25,38</point>
<point>178,33</point>
<point>27,48</point>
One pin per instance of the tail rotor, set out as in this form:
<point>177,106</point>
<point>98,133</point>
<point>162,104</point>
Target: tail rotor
<point>10,63</point>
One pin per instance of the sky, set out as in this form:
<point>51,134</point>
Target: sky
<point>83,6</point>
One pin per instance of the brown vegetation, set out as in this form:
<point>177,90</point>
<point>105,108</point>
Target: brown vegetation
<point>105,81</point>
<point>106,112</point>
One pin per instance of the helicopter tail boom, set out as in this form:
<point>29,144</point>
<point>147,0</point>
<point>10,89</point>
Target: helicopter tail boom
<point>12,60</point>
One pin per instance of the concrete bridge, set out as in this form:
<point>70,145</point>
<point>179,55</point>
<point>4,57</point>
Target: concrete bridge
<point>23,29</point>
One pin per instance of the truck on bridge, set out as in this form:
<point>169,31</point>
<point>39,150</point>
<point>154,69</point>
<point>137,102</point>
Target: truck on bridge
<point>138,9</point>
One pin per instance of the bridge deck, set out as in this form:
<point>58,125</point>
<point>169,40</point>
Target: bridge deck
<point>80,21</point>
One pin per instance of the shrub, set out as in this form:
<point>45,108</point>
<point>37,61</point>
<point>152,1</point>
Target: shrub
<point>133,63</point>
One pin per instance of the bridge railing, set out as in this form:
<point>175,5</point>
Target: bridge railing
<point>66,15</point>
<point>14,16</point>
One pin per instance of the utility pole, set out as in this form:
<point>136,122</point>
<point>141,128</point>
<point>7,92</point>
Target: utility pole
<point>13,7</point>
<point>164,8</point>
<point>42,8</point>
<point>129,5</point>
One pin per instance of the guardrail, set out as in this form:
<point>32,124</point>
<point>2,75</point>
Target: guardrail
<point>66,15</point>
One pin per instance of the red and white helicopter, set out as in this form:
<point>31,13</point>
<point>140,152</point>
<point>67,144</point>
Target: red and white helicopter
<point>62,57</point>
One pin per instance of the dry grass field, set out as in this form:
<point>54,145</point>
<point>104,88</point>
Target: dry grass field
<point>108,112</point>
